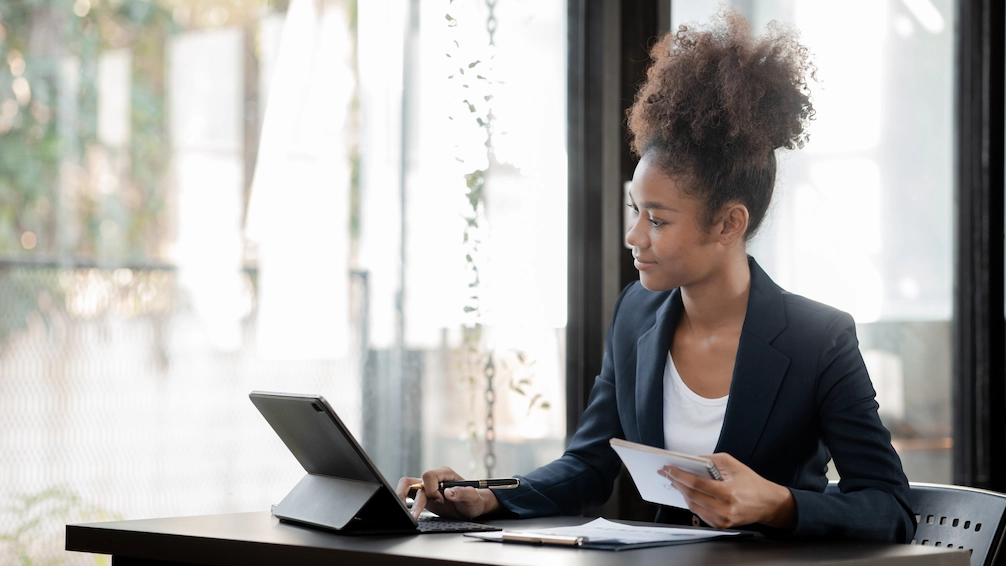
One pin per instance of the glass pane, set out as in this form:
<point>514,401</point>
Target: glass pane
<point>200,199</point>
<point>862,217</point>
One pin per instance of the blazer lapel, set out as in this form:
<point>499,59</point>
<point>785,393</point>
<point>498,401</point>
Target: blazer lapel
<point>758,371</point>
<point>651,359</point>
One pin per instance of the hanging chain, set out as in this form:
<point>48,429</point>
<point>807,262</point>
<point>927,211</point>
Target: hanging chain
<point>490,457</point>
<point>490,368</point>
<point>491,21</point>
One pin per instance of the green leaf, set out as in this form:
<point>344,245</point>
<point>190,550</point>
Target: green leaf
<point>473,63</point>
<point>449,18</point>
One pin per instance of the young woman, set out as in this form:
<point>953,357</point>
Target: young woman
<point>706,354</point>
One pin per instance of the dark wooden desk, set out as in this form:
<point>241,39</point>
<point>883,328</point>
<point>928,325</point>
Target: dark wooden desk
<point>258,538</point>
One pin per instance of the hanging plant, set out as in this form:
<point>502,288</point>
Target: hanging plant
<point>479,364</point>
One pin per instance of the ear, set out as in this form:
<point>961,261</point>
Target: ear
<point>733,224</point>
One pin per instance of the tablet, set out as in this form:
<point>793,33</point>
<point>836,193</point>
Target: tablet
<point>343,490</point>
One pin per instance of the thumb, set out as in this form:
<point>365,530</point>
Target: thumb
<point>466,496</point>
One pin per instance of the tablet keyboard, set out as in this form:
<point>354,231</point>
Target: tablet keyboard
<point>441,525</point>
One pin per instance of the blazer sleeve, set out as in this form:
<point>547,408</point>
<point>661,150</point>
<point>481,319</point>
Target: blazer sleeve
<point>585,474</point>
<point>874,498</point>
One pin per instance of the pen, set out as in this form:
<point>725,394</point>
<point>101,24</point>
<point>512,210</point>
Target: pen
<point>501,483</point>
<point>543,539</point>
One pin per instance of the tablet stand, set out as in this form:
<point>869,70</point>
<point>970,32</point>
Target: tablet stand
<point>343,505</point>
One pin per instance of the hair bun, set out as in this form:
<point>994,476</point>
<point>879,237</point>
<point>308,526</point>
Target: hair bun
<point>719,89</point>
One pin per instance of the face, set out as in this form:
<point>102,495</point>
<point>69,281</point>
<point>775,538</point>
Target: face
<point>670,245</point>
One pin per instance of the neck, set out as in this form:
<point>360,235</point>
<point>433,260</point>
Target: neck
<point>719,300</point>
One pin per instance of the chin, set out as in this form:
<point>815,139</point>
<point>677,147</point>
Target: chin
<point>655,285</point>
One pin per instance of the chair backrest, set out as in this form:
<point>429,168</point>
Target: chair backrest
<point>958,517</point>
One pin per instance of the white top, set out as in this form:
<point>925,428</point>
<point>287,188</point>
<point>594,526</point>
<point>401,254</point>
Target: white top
<point>692,423</point>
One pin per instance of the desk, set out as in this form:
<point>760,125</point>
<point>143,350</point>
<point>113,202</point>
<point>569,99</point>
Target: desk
<point>258,538</point>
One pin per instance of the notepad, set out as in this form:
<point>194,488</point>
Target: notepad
<point>602,534</point>
<point>643,463</point>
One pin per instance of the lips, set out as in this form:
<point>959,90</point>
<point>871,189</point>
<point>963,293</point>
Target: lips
<point>642,265</point>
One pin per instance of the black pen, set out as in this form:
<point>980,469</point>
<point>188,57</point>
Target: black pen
<point>500,483</point>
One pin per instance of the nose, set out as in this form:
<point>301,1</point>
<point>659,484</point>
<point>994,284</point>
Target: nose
<point>636,236</point>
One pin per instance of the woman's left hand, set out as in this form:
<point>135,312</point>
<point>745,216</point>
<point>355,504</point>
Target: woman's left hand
<point>742,498</point>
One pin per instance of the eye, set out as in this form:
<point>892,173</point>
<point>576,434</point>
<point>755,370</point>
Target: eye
<point>656,223</point>
<point>633,208</point>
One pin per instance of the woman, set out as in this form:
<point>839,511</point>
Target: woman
<point>706,355</point>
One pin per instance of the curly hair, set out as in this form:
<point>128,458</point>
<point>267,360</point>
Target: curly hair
<point>716,104</point>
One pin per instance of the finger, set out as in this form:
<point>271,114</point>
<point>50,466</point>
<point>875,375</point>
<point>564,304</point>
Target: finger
<point>709,509</point>
<point>403,487</point>
<point>419,503</point>
<point>695,482</point>
<point>431,482</point>
<point>461,495</point>
<point>711,517</point>
<point>466,500</point>
<point>727,464</point>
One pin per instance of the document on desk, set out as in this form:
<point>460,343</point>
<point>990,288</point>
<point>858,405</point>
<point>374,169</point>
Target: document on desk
<point>603,534</point>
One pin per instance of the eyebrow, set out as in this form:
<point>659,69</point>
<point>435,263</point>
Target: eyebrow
<point>658,206</point>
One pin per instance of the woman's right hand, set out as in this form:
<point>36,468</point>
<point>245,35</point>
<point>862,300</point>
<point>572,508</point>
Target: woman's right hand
<point>456,502</point>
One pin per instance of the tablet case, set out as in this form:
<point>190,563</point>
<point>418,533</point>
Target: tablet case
<point>343,489</point>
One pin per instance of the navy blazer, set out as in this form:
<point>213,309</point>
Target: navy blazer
<point>800,395</point>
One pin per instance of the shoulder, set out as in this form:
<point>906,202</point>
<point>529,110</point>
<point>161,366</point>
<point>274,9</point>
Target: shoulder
<point>816,333</point>
<point>802,312</point>
<point>778,316</point>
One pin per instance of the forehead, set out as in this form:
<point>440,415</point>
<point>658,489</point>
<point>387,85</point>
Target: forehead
<point>652,187</point>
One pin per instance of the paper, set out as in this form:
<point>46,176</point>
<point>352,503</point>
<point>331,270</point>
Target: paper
<point>604,532</point>
<point>644,466</point>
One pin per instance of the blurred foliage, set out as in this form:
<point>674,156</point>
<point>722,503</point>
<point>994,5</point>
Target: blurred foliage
<point>40,514</point>
<point>58,181</point>
<point>66,193</point>
<point>22,291</point>
<point>63,191</point>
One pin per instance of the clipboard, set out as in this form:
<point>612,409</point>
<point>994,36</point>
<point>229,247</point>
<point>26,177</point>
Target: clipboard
<point>602,534</point>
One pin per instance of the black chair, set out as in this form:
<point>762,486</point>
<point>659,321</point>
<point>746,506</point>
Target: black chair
<point>957,517</point>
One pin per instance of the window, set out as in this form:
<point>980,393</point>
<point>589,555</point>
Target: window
<point>365,200</point>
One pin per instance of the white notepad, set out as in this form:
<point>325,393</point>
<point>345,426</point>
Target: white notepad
<point>644,463</point>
